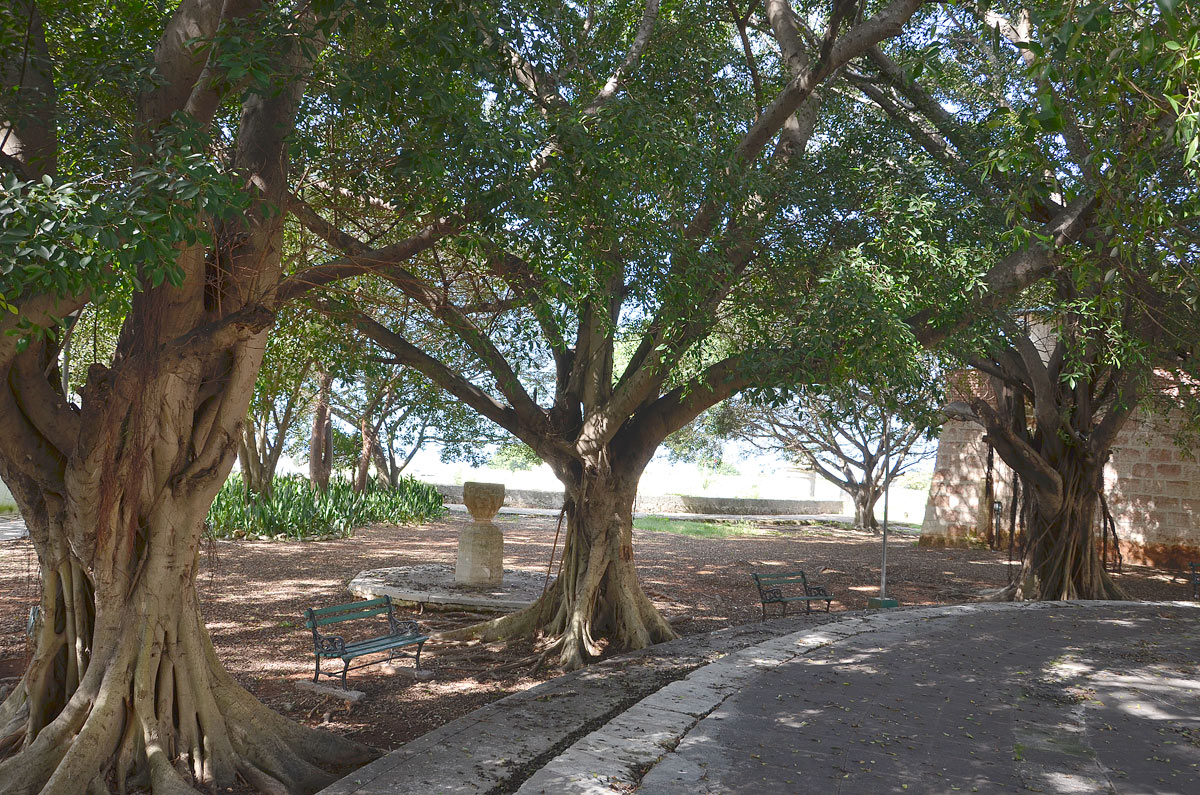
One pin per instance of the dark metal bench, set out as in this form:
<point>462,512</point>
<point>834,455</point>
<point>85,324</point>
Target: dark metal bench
<point>1195,577</point>
<point>771,590</point>
<point>401,634</point>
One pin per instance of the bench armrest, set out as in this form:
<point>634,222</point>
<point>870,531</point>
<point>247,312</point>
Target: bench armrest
<point>408,627</point>
<point>816,590</point>
<point>329,644</point>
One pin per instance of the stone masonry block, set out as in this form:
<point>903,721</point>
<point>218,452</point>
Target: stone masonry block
<point>1142,471</point>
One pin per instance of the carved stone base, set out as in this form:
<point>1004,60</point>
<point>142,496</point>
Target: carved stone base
<point>480,555</point>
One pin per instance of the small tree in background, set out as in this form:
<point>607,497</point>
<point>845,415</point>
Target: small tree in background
<point>515,456</point>
<point>858,436</point>
<point>282,393</point>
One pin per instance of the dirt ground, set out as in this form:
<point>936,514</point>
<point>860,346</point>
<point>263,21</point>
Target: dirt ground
<point>254,595</point>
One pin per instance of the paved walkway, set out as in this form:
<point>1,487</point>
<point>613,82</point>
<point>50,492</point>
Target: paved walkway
<point>1093,700</point>
<point>1084,697</point>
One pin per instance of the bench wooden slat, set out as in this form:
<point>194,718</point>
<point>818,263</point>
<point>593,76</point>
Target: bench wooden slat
<point>339,617</point>
<point>382,644</point>
<point>322,611</point>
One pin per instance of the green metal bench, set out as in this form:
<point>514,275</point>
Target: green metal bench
<point>1195,577</point>
<point>401,634</point>
<point>790,586</point>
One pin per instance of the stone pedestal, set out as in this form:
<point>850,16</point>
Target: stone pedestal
<point>481,544</point>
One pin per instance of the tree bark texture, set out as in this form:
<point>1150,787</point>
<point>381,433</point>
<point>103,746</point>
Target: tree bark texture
<point>1056,438</point>
<point>124,685</point>
<point>124,688</point>
<point>596,602</point>
<point>865,498</point>
<point>320,445</point>
<point>1061,557</point>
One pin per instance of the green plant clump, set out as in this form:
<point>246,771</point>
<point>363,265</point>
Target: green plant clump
<point>293,510</point>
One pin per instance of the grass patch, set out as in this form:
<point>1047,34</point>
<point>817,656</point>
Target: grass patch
<point>689,527</point>
<point>7,508</point>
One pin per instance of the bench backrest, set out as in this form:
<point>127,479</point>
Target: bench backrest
<point>782,578</point>
<point>347,612</point>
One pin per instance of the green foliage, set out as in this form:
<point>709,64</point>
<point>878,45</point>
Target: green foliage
<point>920,481</point>
<point>295,511</point>
<point>63,238</point>
<point>515,457</point>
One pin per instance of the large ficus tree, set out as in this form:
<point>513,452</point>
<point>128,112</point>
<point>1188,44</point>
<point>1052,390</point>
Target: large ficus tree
<point>666,238</point>
<point>1089,105</point>
<point>145,167</point>
<point>859,435</point>
<point>633,239</point>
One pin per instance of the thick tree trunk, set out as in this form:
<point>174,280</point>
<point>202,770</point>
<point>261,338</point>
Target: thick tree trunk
<point>255,460</point>
<point>865,498</point>
<point>124,686</point>
<point>385,469</point>
<point>1062,555</point>
<point>596,603</point>
<point>320,444</point>
<point>370,444</point>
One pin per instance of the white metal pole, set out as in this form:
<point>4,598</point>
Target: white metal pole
<point>887,466</point>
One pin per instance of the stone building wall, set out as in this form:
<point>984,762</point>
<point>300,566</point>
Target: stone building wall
<point>1152,488</point>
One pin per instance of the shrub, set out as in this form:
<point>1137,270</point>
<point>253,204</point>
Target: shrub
<point>293,510</point>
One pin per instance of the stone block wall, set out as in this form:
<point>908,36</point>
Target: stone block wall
<point>1152,488</point>
<point>1153,492</point>
<point>957,513</point>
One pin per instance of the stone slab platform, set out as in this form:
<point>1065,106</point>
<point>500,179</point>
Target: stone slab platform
<point>432,585</point>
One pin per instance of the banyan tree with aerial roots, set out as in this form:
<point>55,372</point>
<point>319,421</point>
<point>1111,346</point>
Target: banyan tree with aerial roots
<point>615,215</point>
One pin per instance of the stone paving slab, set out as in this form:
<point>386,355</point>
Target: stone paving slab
<point>967,698</point>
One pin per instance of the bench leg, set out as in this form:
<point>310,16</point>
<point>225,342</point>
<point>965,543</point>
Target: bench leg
<point>317,672</point>
<point>345,667</point>
<point>419,645</point>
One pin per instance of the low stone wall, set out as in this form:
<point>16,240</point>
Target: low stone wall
<point>670,503</point>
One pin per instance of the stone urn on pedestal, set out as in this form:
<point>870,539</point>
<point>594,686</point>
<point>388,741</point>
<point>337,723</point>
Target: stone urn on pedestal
<point>481,544</point>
